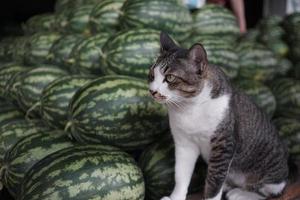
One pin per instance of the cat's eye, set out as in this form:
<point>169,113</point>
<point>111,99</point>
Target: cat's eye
<point>170,78</point>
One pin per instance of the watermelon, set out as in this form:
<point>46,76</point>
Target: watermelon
<point>278,47</point>
<point>28,151</point>
<point>5,54</point>
<point>158,166</point>
<point>215,20</point>
<point>38,46</point>
<point>219,51</point>
<point>270,28</point>
<point>61,20</point>
<point>61,49</point>
<point>14,131</point>
<point>85,56</point>
<point>169,16</point>
<point>284,67</point>
<point>85,172</point>
<point>116,110</point>
<point>56,97</point>
<point>39,23</point>
<point>131,52</point>
<point>12,86</point>
<point>33,82</point>
<point>78,19</point>
<point>105,16</point>
<point>6,73</point>
<point>259,93</point>
<point>251,35</point>
<point>9,113</point>
<point>257,62</point>
<point>291,26</point>
<point>61,5</point>
<point>18,51</point>
<point>289,130</point>
<point>287,94</point>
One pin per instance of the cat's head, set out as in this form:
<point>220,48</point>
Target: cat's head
<point>178,74</point>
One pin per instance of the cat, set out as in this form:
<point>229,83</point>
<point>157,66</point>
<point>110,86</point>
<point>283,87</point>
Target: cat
<point>209,117</point>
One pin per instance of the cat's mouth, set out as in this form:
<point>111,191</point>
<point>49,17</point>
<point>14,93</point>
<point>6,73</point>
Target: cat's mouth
<point>158,97</point>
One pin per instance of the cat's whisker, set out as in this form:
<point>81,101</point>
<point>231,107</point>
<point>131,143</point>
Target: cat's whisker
<point>176,104</point>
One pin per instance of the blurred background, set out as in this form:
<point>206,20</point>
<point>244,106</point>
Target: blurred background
<point>53,54</point>
<point>15,12</point>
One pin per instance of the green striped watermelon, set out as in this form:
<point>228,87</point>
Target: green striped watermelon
<point>289,130</point>
<point>61,49</point>
<point>9,113</point>
<point>6,73</point>
<point>270,28</point>
<point>259,93</point>
<point>12,86</point>
<point>78,19</point>
<point>56,97</point>
<point>278,47</point>
<point>64,11</point>
<point>158,166</point>
<point>39,23</point>
<point>287,94</point>
<point>169,16</point>
<point>85,172</point>
<point>116,110</point>
<point>18,51</point>
<point>61,20</point>
<point>11,49</point>
<point>284,67</point>
<point>28,151</point>
<point>38,46</point>
<point>5,54</point>
<point>105,16</point>
<point>220,52</point>
<point>131,52</point>
<point>61,5</point>
<point>85,56</point>
<point>291,25</point>
<point>14,131</point>
<point>33,82</point>
<point>215,20</point>
<point>256,62</point>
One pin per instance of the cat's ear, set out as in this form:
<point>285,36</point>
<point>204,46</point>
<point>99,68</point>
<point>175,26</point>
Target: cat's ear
<point>197,55</point>
<point>166,42</point>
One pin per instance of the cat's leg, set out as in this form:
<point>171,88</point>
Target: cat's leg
<point>222,151</point>
<point>185,159</point>
<point>240,194</point>
<point>267,190</point>
<point>272,189</point>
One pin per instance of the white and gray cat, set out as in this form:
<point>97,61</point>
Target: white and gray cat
<point>208,117</point>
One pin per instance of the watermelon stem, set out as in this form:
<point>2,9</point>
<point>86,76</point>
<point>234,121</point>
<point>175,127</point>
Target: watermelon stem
<point>68,125</point>
<point>27,116</point>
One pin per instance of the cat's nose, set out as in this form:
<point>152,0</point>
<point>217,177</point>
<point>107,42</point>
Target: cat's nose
<point>153,92</point>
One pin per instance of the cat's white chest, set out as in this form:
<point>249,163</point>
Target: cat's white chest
<point>198,123</point>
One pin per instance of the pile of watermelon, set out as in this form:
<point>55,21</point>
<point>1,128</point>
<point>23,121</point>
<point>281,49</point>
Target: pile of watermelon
<point>76,119</point>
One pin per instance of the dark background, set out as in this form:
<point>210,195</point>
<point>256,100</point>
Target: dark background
<point>14,12</point>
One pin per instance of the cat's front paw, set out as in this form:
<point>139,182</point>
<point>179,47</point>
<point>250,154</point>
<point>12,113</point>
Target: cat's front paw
<point>238,194</point>
<point>166,198</point>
